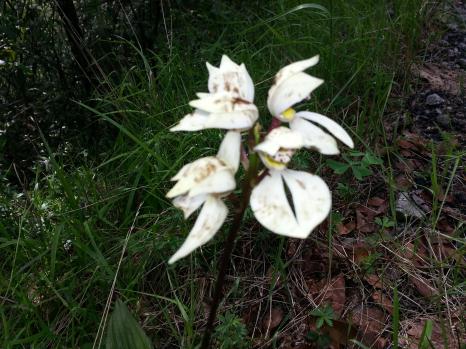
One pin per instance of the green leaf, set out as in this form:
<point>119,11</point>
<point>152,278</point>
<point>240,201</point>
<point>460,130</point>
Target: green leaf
<point>371,159</point>
<point>361,171</point>
<point>424,341</point>
<point>124,331</point>
<point>337,167</point>
<point>320,322</point>
<point>356,153</point>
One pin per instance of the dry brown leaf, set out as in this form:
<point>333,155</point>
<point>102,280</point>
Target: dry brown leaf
<point>405,144</point>
<point>371,322</point>
<point>380,298</point>
<point>414,329</point>
<point>365,219</point>
<point>329,292</point>
<point>340,332</point>
<point>344,229</point>
<point>440,79</point>
<point>376,201</point>
<point>423,286</point>
<point>402,182</point>
<point>444,226</point>
<point>272,319</point>
<point>374,281</point>
<point>407,153</point>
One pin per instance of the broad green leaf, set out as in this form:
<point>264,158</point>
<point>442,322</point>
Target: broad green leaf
<point>124,331</point>
<point>371,159</point>
<point>360,172</point>
<point>424,341</point>
<point>337,167</point>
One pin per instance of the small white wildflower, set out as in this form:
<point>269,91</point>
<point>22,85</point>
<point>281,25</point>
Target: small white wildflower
<point>204,182</point>
<point>67,245</point>
<point>292,86</point>
<point>229,103</point>
<point>310,195</point>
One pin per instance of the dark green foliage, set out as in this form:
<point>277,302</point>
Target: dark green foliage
<point>124,332</point>
<point>231,333</point>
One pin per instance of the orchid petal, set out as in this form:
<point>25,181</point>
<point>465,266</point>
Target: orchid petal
<point>203,94</point>
<point>291,91</point>
<point>210,220</point>
<point>242,119</point>
<point>205,175</point>
<point>294,68</point>
<point>314,137</point>
<point>238,120</point>
<point>280,137</point>
<point>271,207</point>
<point>231,78</point>
<point>331,126</point>
<point>220,103</point>
<point>217,182</point>
<point>229,151</point>
<point>226,64</point>
<point>189,204</point>
<point>247,84</point>
<point>192,122</point>
<point>312,199</point>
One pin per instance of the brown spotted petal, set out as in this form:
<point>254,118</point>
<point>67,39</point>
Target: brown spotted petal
<point>294,68</point>
<point>208,175</point>
<point>219,110</point>
<point>311,202</point>
<point>291,86</point>
<point>231,78</point>
<point>208,222</point>
<point>280,138</point>
<point>290,92</point>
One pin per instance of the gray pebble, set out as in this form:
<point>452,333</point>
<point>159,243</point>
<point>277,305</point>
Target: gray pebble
<point>443,120</point>
<point>434,99</point>
<point>462,63</point>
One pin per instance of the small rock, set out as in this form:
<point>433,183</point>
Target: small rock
<point>434,99</point>
<point>462,63</point>
<point>443,120</point>
<point>408,208</point>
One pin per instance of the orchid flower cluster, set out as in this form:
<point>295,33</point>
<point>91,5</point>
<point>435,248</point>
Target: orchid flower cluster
<point>229,105</point>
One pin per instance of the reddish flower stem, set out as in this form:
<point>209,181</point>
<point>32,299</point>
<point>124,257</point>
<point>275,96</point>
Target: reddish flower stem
<point>248,183</point>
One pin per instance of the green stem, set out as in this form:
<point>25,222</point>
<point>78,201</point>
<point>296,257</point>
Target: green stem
<point>248,184</point>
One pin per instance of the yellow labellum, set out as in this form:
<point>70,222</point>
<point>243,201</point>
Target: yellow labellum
<point>289,114</point>
<point>272,163</point>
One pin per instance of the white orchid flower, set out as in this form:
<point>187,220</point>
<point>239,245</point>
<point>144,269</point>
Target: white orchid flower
<point>229,103</point>
<point>292,86</point>
<point>204,182</point>
<point>311,198</point>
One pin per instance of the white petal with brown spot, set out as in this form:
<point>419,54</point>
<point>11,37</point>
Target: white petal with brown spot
<point>311,201</point>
